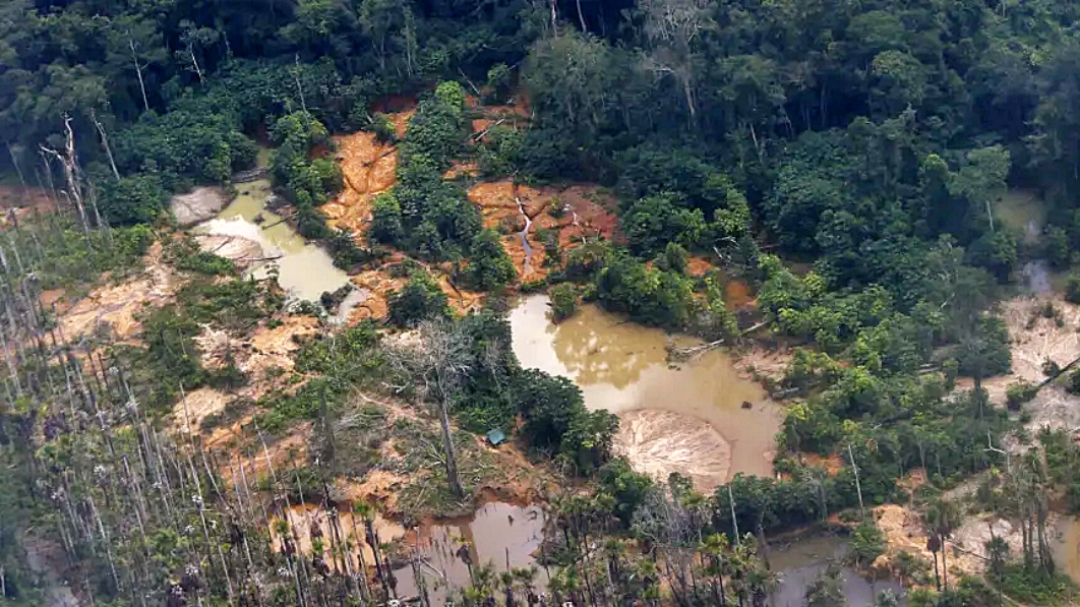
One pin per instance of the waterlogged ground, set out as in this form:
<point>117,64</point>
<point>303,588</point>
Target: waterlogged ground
<point>688,418</point>
<point>502,536</point>
<point>800,563</point>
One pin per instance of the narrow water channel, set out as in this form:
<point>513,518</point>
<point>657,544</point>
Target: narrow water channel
<point>698,418</point>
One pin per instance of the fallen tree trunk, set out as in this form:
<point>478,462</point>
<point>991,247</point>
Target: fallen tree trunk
<point>693,351</point>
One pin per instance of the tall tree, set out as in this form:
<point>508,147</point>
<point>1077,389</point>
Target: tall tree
<point>673,29</point>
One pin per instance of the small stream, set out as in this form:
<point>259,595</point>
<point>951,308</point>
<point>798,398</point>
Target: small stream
<point>524,234</point>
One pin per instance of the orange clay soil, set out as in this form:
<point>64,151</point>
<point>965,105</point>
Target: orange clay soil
<point>369,168</point>
<point>582,211</point>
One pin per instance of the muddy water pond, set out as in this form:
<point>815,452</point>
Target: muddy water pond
<point>801,563</point>
<point>304,269</point>
<point>698,418</point>
<point>502,536</point>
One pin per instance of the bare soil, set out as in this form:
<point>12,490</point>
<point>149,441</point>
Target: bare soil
<point>115,306</point>
<point>1036,339</point>
<point>369,168</point>
<point>243,252</point>
<point>662,442</point>
<point>17,204</point>
<point>198,205</point>
<point>573,212</point>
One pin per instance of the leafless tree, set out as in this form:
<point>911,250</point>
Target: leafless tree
<point>439,362</point>
<point>672,27</point>
<point>72,171</point>
<point>673,531</point>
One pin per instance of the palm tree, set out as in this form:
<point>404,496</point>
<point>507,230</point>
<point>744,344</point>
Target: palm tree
<point>714,549</point>
<point>942,517</point>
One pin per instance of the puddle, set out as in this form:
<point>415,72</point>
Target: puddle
<point>305,270</point>
<point>622,367</point>
<point>801,563</point>
<point>501,535</point>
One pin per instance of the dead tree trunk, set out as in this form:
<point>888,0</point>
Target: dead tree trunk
<point>70,163</point>
<point>105,144</point>
<point>138,73</point>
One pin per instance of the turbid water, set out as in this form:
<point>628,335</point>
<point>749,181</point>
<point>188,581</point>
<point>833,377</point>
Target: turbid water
<point>801,563</point>
<point>691,418</point>
<point>499,535</point>
<point>502,536</point>
<point>304,270</point>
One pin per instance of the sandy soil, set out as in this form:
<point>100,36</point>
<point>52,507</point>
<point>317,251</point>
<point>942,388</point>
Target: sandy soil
<point>241,251</point>
<point>189,412</point>
<point>116,305</point>
<point>257,354</point>
<point>1034,340</point>
<point>198,205</point>
<point>763,362</point>
<point>379,486</point>
<point>658,443</point>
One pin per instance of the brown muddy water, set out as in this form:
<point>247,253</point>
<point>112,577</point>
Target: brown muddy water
<point>304,270</point>
<point>688,418</point>
<point>499,535</point>
<point>800,563</point>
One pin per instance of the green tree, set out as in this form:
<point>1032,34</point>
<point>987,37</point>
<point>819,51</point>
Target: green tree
<point>867,543</point>
<point>489,266</point>
<point>420,299</point>
<point>653,222</point>
<point>564,299</point>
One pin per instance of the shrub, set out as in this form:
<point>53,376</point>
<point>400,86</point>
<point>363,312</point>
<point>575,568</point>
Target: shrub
<point>1072,289</point>
<point>1019,393</point>
<point>563,304</point>
<point>383,128</point>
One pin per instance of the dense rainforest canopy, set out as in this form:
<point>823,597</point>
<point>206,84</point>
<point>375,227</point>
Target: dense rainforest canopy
<point>866,143</point>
